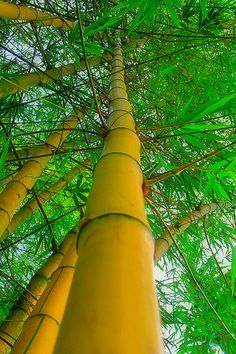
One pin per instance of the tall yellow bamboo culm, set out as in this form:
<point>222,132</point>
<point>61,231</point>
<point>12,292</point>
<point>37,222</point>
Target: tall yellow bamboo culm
<point>17,189</point>
<point>11,328</point>
<point>41,328</point>
<point>112,307</point>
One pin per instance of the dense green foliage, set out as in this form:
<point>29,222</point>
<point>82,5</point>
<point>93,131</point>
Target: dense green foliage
<point>180,73</point>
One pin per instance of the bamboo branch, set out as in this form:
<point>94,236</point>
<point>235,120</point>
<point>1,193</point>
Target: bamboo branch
<point>178,170</point>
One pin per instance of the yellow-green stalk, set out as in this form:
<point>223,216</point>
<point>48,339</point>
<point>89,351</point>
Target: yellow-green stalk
<point>112,307</point>
<point>19,12</point>
<point>17,189</point>
<point>41,328</point>
<point>11,328</point>
<point>33,204</point>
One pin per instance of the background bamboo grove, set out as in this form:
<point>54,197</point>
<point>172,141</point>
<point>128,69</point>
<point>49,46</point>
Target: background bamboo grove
<point>67,125</point>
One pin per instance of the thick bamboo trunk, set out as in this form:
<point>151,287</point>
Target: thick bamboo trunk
<point>112,307</point>
<point>19,12</point>
<point>17,189</point>
<point>11,328</point>
<point>163,243</point>
<point>32,205</point>
<point>27,81</point>
<point>41,328</point>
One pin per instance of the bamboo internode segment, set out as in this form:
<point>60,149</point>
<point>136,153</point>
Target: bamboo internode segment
<point>11,328</point>
<point>27,81</point>
<point>29,152</point>
<point>120,158</point>
<point>6,180</point>
<point>163,243</point>
<point>41,328</point>
<point>19,12</point>
<point>112,306</point>
<point>17,189</point>
<point>32,205</point>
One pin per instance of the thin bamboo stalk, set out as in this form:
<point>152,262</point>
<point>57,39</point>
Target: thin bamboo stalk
<point>164,242</point>
<point>11,328</point>
<point>41,328</point>
<point>28,152</point>
<point>112,307</point>
<point>32,205</point>
<point>178,170</point>
<point>27,81</point>
<point>17,189</point>
<point>19,12</point>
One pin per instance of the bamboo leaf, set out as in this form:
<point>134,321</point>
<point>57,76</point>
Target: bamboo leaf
<point>94,48</point>
<point>75,34</point>
<point>172,11</point>
<point>168,70</point>
<point>199,126</point>
<point>221,192</point>
<point>203,6</point>
<point>195,142</point>
<point>128,4</point>
<point>207,108</point>
<point>184,109</point>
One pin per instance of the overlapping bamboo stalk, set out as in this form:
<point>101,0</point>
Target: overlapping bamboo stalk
<point>33,204</point>
<point>11,328</point>
<point>17,189</point>
<point>41,328</point>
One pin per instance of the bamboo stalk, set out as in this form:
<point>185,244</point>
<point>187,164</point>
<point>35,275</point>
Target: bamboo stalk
<point>17,189</point>
<point>27,81</point>
<point>6,180</point>
<point>112,307</point>
<point>164,242</point>
<point>29,152</point>
<point>32,205</point>
<point>41,328</point>
<point>19,12</point>
<point>11,328</point>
